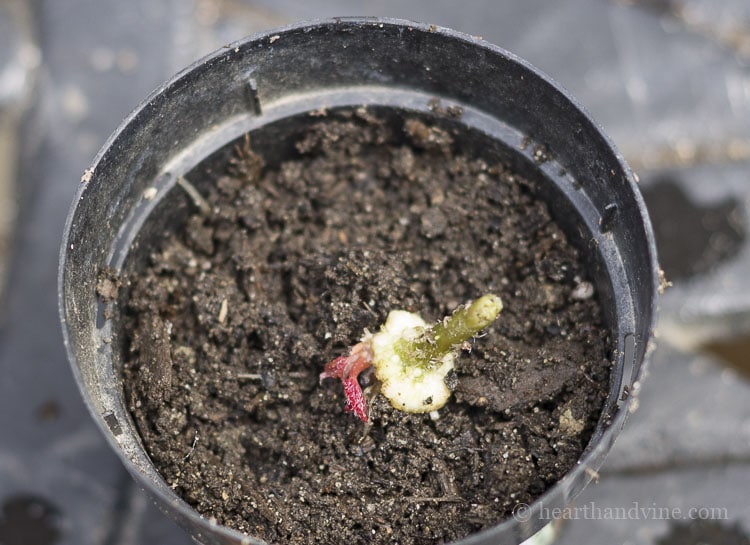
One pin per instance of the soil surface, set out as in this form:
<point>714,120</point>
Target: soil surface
<point>234,318</point>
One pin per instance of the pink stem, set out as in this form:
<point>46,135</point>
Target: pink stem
<point>348,368</point>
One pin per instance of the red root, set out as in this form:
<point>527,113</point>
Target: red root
<point>348,368</point>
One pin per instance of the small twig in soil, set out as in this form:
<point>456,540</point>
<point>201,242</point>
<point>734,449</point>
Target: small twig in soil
<point>246,164</point>
<point>192,449</point>
<point>369,309</point>
<point>258,376</point>
<point>223,311</point>
<point>195,196</point>
<point>442,499</point>
<point>587,377</point>
<point>447,479</point>
<point>248,376</point>
<point>470,449</point>
<point>370,393</point>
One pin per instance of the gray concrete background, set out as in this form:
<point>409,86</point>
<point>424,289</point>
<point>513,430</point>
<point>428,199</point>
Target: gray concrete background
<point>668,79</point>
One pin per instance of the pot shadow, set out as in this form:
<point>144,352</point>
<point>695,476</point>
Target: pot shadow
<point>704,532</point>
<point>28,520</point>
<point>692,239</point>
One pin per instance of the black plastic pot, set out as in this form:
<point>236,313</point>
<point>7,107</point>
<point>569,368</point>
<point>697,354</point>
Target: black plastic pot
<point>267,84</point>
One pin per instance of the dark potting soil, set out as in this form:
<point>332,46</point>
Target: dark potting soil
<point>237,312</point>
